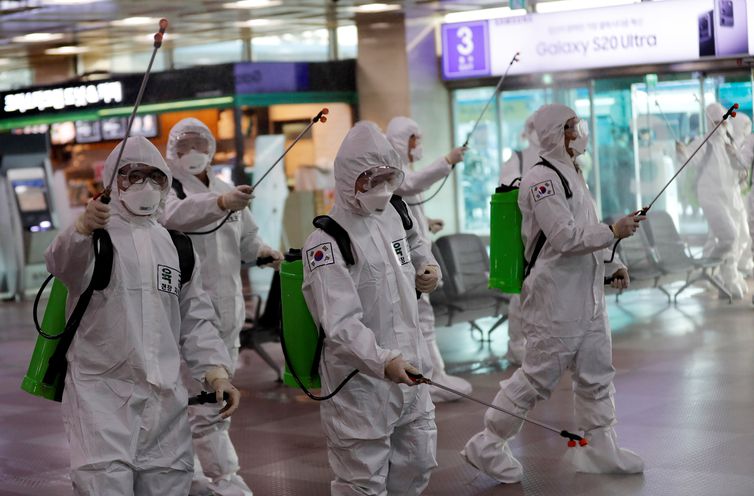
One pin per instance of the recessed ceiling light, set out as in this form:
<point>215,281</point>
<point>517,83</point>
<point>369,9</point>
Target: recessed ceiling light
<point>134,21</point>
<point>257,23</point>
<point>482,14</point>
<point>252,4</point>
<point>66,50</point>
<point>369,8</point>
<point>37,37</point>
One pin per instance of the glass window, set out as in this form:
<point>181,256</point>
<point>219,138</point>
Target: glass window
<point>16,78</point>
<point>481,165</point>
<point>304,46</point>
<point>212,53</point>
<point>347,42</point>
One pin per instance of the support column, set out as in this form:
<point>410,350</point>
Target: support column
<point>382,67</point>
<point>398,73</point>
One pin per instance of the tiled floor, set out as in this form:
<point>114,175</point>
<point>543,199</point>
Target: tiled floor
<point>685,402</point>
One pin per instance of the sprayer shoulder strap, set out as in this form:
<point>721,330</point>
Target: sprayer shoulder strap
<point>185,249</point>
<point>103,263</point>
<point>400,206</point>
<point>541,237</point>
<point>341,237</point>
<point>178,188</point>
<point>520,156</point>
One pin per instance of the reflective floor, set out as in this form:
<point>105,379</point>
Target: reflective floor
<point>685,398</point>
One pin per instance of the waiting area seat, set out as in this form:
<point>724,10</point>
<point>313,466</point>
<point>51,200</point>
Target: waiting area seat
<point>657,255</point>
<point>675,256</point>
<point>465,295</point>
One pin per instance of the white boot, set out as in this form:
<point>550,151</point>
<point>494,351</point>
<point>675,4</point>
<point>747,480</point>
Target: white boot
<point>438,374</point>
<point>491,455</point>
<point>603,456</point>
<point>488,451</point>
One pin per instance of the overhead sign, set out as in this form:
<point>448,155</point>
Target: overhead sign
<point>642,33</point>
<point>60,98</point>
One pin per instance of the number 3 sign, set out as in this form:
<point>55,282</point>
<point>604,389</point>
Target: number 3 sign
<point>465,49</point>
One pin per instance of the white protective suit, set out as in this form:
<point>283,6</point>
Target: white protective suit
<point>745,145</point>
<point>124,405</point>
<point>221,253</point>
<point>398,132</point>
<point>512,169</point>
<point>564,318</point>
<point>719,196</point>
<point>381,436</point>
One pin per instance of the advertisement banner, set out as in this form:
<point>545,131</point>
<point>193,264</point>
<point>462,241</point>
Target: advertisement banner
<point>636,34</point>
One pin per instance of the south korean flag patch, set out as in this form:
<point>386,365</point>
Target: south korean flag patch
<point>542,190</point>
<point>320,255</point>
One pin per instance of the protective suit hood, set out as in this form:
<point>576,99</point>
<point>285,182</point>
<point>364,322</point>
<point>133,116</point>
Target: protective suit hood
<point>399,131</point>
<point>549,123</point>
<point>363,147</point>
<point>714,113</point>
<point>530,133</point>
<point>138,150</point>
<point>741,128</point>
<point>188,125</point>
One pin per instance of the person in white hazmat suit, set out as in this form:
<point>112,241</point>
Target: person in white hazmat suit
<point>516,167</point>
<point>718,192</point>
<point>124,404</point>
<point>208,200</point>
<point>745,145</point>
<point>563,311</point>
<point>380,428</point>
<point>405,137</point>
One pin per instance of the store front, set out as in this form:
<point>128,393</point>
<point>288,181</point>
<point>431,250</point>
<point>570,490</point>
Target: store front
<point>238,102</point>
<point>639,85</point>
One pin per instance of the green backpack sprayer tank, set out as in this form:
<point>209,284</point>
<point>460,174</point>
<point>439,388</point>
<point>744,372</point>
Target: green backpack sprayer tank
<point>506,246</point>
<point>53,325</point>
<point>300,334</point>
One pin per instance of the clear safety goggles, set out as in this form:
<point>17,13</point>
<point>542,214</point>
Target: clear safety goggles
<point>580,129</point>
<point>379,176</point>
<point>139,173</point>
<point>185,142</point>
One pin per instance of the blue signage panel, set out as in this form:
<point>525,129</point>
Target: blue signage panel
<point>465,49</point>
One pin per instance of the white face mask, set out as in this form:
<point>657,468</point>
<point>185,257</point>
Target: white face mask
<point>194,162</point>
<point>579,144</point>
<point>141,199</point>
<point>375,200</point>
<point>417,153</point>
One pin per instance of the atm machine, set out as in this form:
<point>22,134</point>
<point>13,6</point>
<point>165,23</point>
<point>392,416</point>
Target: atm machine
<point>27,220</point>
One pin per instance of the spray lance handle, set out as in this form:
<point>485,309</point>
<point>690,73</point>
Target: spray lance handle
<point>418,378</point>
<point>206,397</point>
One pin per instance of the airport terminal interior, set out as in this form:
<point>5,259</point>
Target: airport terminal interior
<point>440,247</point>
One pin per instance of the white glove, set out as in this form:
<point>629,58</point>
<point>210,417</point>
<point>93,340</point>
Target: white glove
<point>455,155</point>
<point>94,217</point>
<point>427,278</point>
<point>395,370</point>
<point>626,226</point>
<point>435,225</point>
<point>238,199</point>
<point>620,279</point>
<point>265,251</point>
<point>222,385</point>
